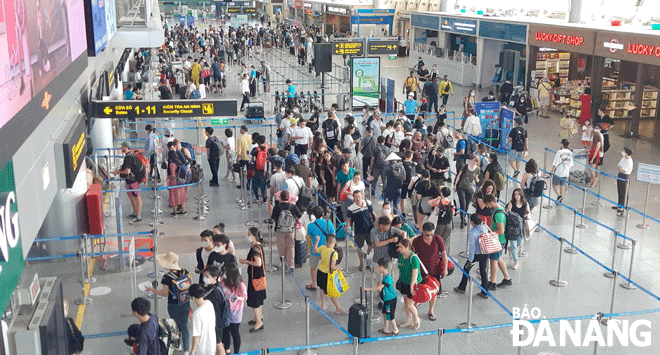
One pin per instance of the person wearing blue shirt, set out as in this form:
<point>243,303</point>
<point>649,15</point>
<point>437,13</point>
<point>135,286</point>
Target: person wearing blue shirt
<point>253,82</point>
<point>461,146</point>
<point>475,255</point>
<point>319,228</point>
<point>128,94</point>
<point>411,107</point>
<point>388,296</point>
<point>290,93</point>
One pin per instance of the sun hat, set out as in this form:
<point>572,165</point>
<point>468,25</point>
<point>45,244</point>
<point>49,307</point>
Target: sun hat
<point>393,157</point>
<point>168,261</point>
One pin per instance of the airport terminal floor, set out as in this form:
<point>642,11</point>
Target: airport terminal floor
<point>586,294</point>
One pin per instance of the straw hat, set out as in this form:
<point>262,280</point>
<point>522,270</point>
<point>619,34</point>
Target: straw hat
<point>168,261</point>
<point>393,157</point>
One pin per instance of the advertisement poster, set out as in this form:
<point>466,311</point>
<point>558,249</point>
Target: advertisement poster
<point>489,118</point>
<point>389,103</point>
<point>507,125</point>
<point>365,81</point>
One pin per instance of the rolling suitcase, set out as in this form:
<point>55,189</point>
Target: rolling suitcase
<point>359,323</point>
<point>255,110</point>
<point>95,216</point>
<point>300,253</point>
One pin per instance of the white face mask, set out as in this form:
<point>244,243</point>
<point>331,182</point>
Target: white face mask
<point>207,281</point>
<point>387,211</point>
<point>218,249</point>
<point>282,109</point>
<point>623,154</point>
<point>248,238</point>
<point>471,94</point>
<point>205,243</point>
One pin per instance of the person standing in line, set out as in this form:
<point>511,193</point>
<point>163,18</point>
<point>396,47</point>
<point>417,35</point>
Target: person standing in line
<point>285,215</point>
<point>195,72</point>
<point>265,76</point>
<point>520,207</point>
<point>606,124</point>
<point>411,106</point>
<point>236,292</point>
<point>259,155</point>
<point>531,173</point>
<point>320,228</point>
<point>302,136</point>
<point>431,90</point>
<point>518,141</point>
<point>214,294</point>
<point>475,256</point>
<point>147,337</point>
<point>463,185</point>
<point>175,286</point>
<point>410,275</point>
<point>151,148</point>
<point>213,145</point>
<point>256,271</point>
<point>388,296</point>
<point>498,225</point>
<point>203,323</point>
<point>133,172</point>
<point>327,264</point>
<point>445,208</point>
<point>245,90</point>
<point>230,153</point>
<point>360,219</point>
<point>561,169</point>
<point>595,155</point>
<point>178,196</point>
<point>290,93</point>
<point>202,253</point>
<point>445,89</point>
<point>625,169</point>
<point>430,249</point>
<point>410,85</point>
<point>243,149</point>
<point>253,81</point>
<point>216,68</point>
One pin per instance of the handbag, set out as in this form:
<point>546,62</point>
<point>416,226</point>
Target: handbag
<point>260,283</point>
<point>530,227</point>
<point>206,73</point>
<point>428,288</point>
<point>163,165</point>
<point>337,284</point>
<point>489,242</point>
<point>236,168</point>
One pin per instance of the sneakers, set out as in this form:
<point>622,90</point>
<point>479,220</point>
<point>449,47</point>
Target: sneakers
<point>459,290</point>
<point>483,295</point>
<point>505,283</point>
<point>516,173</point>
<point>515,265</point>
<point>560,199</point>
<point>174,214</point>
<point>135,220</point>
<point>615,207</point>
<point>491,286</point>
<point>132,215</point>
<point>182,212</point>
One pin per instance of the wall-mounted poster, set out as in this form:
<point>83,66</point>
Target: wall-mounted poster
<point>365,81</point>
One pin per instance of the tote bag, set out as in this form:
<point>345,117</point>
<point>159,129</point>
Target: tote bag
<point>337,284</point>
<point>489,242</point>
<point>428,288</point>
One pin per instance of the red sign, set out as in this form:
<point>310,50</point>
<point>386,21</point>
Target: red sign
<point>308,7</point>
<point>643,49</point>
<point>581,65</point>
<point>556,38</point>
<point>298,4</point>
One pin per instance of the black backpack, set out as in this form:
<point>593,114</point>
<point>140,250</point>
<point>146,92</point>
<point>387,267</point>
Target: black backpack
<point>381,157</point>
<point>398,176</point>
<point>537,185</point>
<point>514,225</point>
<point>470,148</point>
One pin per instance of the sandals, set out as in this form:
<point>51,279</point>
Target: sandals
<point>417,325</point>
<point>393,334</point>
<point>382,331</point>
<point>432,317</point>
<point>403,325</point>
<point>310,287</point>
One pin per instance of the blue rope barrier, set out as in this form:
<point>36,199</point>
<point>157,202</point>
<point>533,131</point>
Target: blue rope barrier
<point>104,335</point>
<point>633,313</point>
<point>304,347</point>
<point>640,287</point>
<point>41,240</point>
<point>52,257</point>
<point>477,329</point>
<point>397,337</point>
<point>330,319</point>
<point>582,252</point>
<point>294,279</point>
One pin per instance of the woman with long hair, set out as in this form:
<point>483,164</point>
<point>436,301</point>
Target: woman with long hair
<point>177,196</point>
<point>326,176</point>
<point>531,171</point>
<point>409,275</point>
<point>236,292</point>
<point>256,270</point>
<point>519,205</point>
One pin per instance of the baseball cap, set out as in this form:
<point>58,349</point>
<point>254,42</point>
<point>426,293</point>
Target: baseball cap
<point>127,144</point>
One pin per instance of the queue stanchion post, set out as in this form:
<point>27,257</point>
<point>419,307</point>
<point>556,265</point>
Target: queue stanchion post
<point>643,225</point>
<point>558,282</point>
<point>520,338</point>
<point>583,225</point>
<point>623,245</point>
<point>120,226</point>
<point>441,333</point>
<point>570,249</point>
<point>612,274</point>
<point>364,280</point>
<point>466,253</point>
<point>629,285</point>
<point>88,277</point>
<point>347,272</point>
<point>468,324</point>
<point>356,344</point>
<point>307,323</point>
<point>375,316</point>
<point>83,297</point>
<point>539,230</point>
<point>615,275</point>
<point>598,202</point>
<point>599,317</point>
<point>549,205</point>
<point>284,304</point>
<point>271,266</point>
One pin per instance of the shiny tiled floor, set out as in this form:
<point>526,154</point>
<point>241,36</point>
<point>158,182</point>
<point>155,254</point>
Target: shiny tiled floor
<point>588,292</point>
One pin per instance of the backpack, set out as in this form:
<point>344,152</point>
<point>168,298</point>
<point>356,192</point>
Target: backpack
<point>184,174</point>
<point>142,168</point>
<point>514,225</point>
<point>537,185</point>
<point>381,156</point>
<point>180,287</point>
<point>445,213</point>
<point>520,139</point>
<point>224,320</point>
<point>217,147</point>
<point>499,180</point>
<point>190,149</point>
<point>398,175</point>
<point>341,231</point>
<point>168,335</point>
<point>286,223</point>
<point>470,149</point>
<point>329,127</point>
<point>195,173</point>
<point>262,157</point>
<point>195,94</point>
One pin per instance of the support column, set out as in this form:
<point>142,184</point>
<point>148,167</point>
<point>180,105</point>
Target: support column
<point>597,82</point>
<point>633,129</point>
<point>575,11</point>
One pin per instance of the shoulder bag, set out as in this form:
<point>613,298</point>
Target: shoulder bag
<point>260,283</point>
<point>337,284</point>
<point>428,288</point>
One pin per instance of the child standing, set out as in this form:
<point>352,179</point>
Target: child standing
<point>587,131</point>
<point>388,296</point>
<point>327,263</point>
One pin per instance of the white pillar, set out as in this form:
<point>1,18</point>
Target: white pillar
<point>575,11</point>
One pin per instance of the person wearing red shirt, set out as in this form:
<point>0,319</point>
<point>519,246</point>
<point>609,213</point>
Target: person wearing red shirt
<point>585,110</point>
<point>430,248</point>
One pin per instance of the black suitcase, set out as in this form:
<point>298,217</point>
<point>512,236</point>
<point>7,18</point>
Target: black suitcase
<point>359,324</point>
<point>255,110</point>
<point>300,253</point>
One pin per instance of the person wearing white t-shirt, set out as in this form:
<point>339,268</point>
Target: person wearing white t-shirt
<point>561,169</point>
<point>230,153</point>
<point>293,183</point>
<point>203,323</point>
<point>625,169</point>
<point>302,135</point>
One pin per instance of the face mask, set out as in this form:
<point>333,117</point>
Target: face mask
<point>471,94</point>
<point>623,154</point>
<point>218,249</point>
<point>282,109</point>
<point>387,211</point>
<point>205,243</point>
<point>207,280</point>
<point>248,238</point>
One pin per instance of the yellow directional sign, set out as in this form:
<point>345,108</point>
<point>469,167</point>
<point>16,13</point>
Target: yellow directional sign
<point>383,47</point>
<point>163,108</point>
<point>349,48</point>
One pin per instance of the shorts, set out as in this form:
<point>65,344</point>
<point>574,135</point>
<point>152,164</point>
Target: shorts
<point>405,290</point>
<point>516,153</point>
<point>559,180</point>
<point>544,100</point>
<point>389,309</point>
<point>133,186</point>
<point>322,281</point>
<point>361,238</point>
<point>393,196</point>
<point>313,260</point>
<point>405,192</point>
<point>217,78</point>
<point>496,256</point>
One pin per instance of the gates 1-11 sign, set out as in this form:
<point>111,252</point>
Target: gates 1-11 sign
<point>164,108</point>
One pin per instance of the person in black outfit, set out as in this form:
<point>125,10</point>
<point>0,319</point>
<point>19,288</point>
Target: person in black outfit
<point>431,89</point>
<point>220,256</point>
<point>437,165</point>
<point>490,97</point>
<point>213,148</point>
<point>255,261</point>
<point>505,92</point>
<point>606,124</point>
<point>146,340</point>
<point>520,108</point>
<point>165,91</point>
<point>202,253</point>
<point>214,294</point>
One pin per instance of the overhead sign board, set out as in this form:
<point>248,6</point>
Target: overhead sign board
<point>632,47</point>
<point>504,31</point>
<point>383,47</point>
<point>425,21</point>
<point>464,26</point>
<point>372,20</point>
<point>164,108</point>
<point>376,11</point>
<point>234,9</point>
<point>648,173</point>
<point>336,9</point>
<point>349,48</point>
<point>562,38</point>
<point>249,10</point>
<point>75,149</point>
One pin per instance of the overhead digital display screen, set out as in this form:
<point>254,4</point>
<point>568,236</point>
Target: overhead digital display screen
<point>101,20</point>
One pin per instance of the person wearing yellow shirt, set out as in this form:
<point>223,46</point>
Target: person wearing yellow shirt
<point>445,90</point>
<point>328,261</point>
<point>195,72</point>
<point>411,84</point>
<point>243,149</point>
